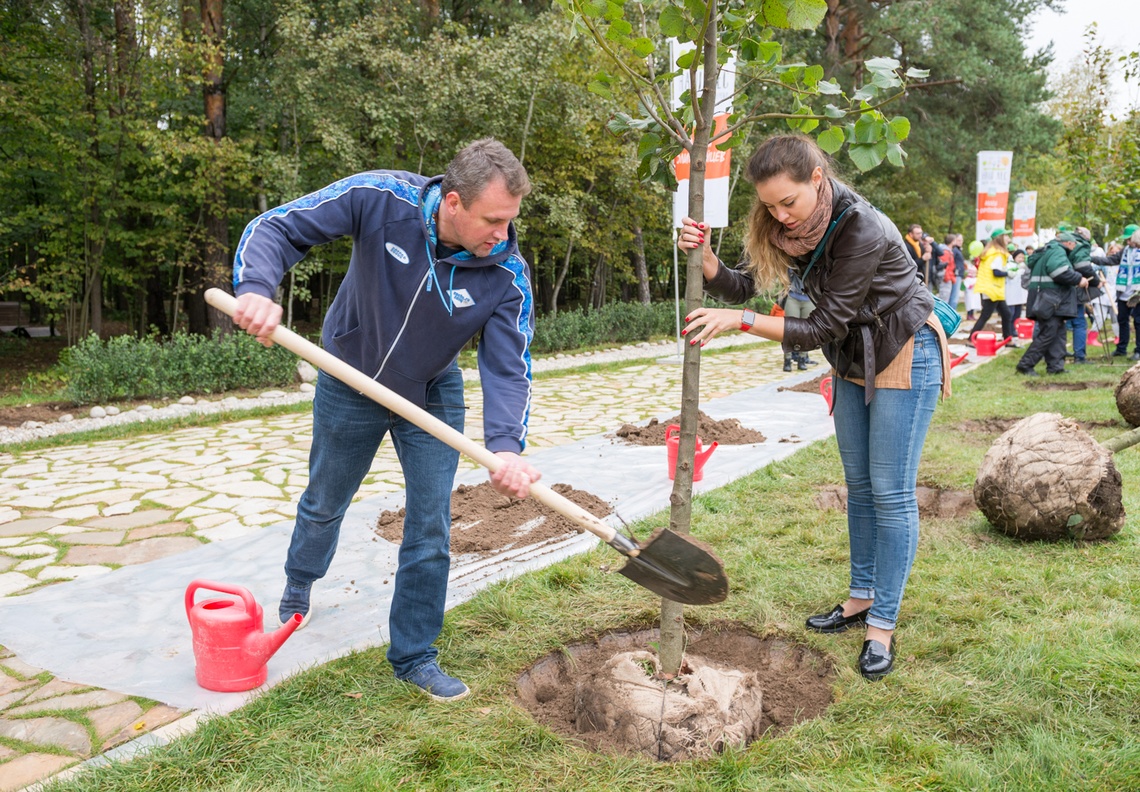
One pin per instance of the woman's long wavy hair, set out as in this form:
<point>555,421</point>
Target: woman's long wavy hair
<point>794,156</point>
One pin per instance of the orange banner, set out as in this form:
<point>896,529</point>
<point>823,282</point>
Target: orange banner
<point>993,207</point>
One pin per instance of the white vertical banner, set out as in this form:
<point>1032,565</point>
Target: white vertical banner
<point>993,190</point>
<point>1025,218</point>
<point>716,162</point>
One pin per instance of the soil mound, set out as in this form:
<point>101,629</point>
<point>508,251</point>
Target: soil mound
<point>484,522</point>
<point>734,688</point>
<point>932,501</point>
<point>1067,386</point>
<point>811,386</point>
<point>726,432</point>
<point>999,426</point>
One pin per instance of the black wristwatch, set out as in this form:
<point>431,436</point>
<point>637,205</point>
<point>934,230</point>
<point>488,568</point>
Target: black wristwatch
<point>747,320</point>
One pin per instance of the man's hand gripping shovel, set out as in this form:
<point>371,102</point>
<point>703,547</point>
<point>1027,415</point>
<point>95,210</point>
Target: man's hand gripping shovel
<point>676,567</point>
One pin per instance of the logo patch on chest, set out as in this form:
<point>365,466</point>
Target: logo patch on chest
<point>396,252</point>
<point>461,299</point>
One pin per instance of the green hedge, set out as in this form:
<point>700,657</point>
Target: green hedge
<point>126,367</point>
<point>616,323</point>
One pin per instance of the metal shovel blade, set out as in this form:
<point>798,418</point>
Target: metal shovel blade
<point>678,568</point>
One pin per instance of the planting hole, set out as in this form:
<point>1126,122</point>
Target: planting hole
<point>734,688</point>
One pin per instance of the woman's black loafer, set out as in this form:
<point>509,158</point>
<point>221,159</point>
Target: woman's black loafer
<point>835,621</point>
<point>876,660</point>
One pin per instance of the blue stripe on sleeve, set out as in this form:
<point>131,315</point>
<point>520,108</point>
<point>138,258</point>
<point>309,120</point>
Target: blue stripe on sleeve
<point>517,267</point>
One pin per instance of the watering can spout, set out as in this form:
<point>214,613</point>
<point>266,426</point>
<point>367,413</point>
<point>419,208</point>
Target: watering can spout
<point>262,646</point>
<point>703,456</point>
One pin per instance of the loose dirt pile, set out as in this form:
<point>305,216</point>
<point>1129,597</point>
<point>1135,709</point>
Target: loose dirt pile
<point>733,689</point>
<point>484,522</point>
<point>998,426</point>
<point>726,432</point>
<point>932,502</point>
<point>811,386</point>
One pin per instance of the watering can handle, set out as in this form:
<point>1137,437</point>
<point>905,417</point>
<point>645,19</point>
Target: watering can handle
<point>671,430</point>
<point>225,588</point>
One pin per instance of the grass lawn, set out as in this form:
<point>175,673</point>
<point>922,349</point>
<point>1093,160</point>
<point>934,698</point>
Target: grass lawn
<point>1020,663</point>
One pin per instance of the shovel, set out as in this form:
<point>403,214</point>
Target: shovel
<point>676,567</point>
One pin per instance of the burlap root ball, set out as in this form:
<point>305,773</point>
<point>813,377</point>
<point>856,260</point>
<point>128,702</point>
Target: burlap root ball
<point>696,716</point>
<point>1128,395</point>
<point>1046,478</point>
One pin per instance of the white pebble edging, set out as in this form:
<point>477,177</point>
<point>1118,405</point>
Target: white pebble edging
<point>33,430</point>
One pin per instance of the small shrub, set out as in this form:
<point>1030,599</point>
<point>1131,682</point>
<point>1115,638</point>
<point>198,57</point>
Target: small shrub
<point>616,323</point>
<point>126,367</point>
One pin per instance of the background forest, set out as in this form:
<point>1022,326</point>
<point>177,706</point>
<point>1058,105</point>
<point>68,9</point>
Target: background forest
<point>139,137</point>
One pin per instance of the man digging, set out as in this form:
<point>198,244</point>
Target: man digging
<point>434,263</point>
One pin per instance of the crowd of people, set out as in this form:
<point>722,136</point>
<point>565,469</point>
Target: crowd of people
<point>1086,289</point>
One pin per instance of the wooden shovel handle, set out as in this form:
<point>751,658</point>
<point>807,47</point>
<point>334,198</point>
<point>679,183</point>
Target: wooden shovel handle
<point>420,417</point>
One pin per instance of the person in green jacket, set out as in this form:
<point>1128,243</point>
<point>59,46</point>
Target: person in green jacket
<point>1051,301</point>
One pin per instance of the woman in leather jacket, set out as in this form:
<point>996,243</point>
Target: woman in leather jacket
<point>874,321</point>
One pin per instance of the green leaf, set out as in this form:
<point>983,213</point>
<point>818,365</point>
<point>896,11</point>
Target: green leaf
<point>600,88</point>
<point>895,154</point>
<point>918,74</point>
<point>727,143</point>
<point>898,129</point>
<point>831,139</point>
<point>812,75</point>
<point>619,124</point>
<point>594,8</point>
<point>868,91</point>
<point>882,64</point>
<point>831,111</point>
<point>649,144</point>
<point>619,30</point>
<point>869,128</point>
<point>643,47</point>
<point>671,22</point>
<point>685,60</point>
<point>806,14</point>
<point>867,155</point>
<point>769,50</point>
<point>775,13</point>
<point>696,8</point>
<point>809,125</point>
<point>614,11</point>
<point>829,88</point>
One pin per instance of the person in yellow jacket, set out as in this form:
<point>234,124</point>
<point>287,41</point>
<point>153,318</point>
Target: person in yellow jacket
<point>991,284</point>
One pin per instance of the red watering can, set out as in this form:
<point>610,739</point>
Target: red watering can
<point>825,390</point>
<point>955,361</point>
<point>986,343</point>
<point>1024,328</point>
<point>230,647</point>
<point>673,441</point>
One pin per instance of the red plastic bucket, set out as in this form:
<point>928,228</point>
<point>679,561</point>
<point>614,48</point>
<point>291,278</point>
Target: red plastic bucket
<point>1024,328</point>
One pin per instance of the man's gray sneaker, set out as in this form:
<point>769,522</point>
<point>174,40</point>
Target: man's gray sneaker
<point>441,687</point>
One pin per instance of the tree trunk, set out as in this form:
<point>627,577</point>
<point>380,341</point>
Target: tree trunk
<point>639,265</point>
<point>92,311</point>
<point>561,277</point>
<point>215,261</point>
<point>671,649</point>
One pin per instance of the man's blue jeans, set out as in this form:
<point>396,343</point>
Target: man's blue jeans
<point>347,430</point>
<point>1080,327</point>
<point>880,445</point>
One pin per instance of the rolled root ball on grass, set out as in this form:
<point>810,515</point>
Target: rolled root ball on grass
<point>1046,478</point>
<point>1128,395</point>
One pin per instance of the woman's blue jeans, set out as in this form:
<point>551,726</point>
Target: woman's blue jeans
<point>880,445</point>
<point>347,430</point>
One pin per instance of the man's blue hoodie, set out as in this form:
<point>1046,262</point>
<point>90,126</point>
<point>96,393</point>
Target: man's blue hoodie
<point>401,315</point>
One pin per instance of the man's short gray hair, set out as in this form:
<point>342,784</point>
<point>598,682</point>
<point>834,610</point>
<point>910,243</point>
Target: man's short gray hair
<point>479,164</point>
<point>1135,238</point>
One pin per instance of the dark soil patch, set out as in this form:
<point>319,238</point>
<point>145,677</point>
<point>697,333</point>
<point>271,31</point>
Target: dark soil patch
<point>484,522</point>
<point>932,501</point>
<point>811,386</point>
<point>794,682</point>
<point>1067,386</point>
<point>726,432</point>
<point>997,426</point>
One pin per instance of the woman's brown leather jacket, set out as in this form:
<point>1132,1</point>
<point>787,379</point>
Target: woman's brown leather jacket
<point>868,299</point>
